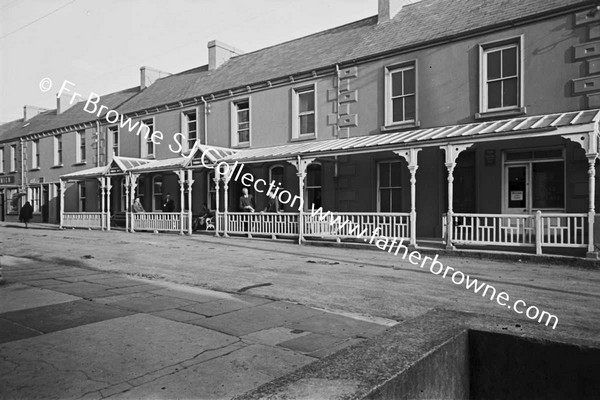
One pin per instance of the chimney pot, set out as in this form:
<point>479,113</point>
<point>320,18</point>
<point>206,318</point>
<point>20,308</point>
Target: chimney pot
<point>31,111</point>
<point>150,75</point>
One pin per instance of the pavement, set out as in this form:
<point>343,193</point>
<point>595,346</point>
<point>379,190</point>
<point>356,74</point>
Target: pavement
<point>72,332</point>
<point>166,316</point>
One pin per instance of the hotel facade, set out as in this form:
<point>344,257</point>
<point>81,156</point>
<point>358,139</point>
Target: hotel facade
<point>458,122</point>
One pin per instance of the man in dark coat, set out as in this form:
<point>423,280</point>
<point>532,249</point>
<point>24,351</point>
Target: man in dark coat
<point>26,213</point>
<point>168,204</point>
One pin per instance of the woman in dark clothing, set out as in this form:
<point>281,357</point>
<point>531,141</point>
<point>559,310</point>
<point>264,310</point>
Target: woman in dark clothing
<point>26,213</point>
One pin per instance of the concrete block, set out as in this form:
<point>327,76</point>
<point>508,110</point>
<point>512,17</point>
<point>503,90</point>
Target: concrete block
<point>593,66</point>
<point>351,72</point>
<point>352,96</point>
<point>586,17</point>
<point>332,119</point>
<point>344,109</point>
<point>594,31</point>
<point>344,85</point>
<point>588,84</point>
<point>332,94</point>
<point>348,120</point>
<point>593,100</point>
<point>591,49</point>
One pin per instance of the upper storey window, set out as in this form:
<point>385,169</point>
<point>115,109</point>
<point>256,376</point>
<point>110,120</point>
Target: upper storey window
<point>501,77</point>
<point>304,112</point>
<point>240,123</point>
<point>401,95</point>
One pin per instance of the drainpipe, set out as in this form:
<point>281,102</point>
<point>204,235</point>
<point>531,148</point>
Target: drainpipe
<point>22,149</point>
<point>337,99</point>
<point>205,120</point>
<point>98,143</point>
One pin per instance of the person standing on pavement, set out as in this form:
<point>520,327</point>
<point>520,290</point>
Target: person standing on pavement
<point>26,213</point>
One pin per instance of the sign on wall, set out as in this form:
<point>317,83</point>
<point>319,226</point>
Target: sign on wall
<point>5,180</point>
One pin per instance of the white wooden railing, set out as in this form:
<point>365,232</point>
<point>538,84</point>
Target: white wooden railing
<point>346,225</point>
<point>271,224</point>
<point>160,221</point>
<point>535,230</point>
<point>88,220</point>
<point>334,226</point>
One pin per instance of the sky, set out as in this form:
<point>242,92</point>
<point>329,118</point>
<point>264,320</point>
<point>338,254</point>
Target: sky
<point>101,45</point>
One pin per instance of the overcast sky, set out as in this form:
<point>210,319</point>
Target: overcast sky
<point>100,45</point>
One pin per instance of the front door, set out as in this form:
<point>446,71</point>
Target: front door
<point>517,193</point>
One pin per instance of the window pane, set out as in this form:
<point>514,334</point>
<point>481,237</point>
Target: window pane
<point>493,65</point>
<point>548,189</point>
<point>397,84</point>
<point>306,101</point>
<point>307,124</point>
<point>396,174</point>
<point>396,205</point>
<point>384,175</point>
<point>243,136</point>
<point>150,147</point>
<point>243,116</point>
<point>409,107</point>
<point>409,81</point>
<point>277,175</point>
<point>517,187</point>
<point>398,110</point>
<point>385,203</point>
<point>509,62</point>
<point>313,177</point>
<point>495,94</point>
<point>509,92</point>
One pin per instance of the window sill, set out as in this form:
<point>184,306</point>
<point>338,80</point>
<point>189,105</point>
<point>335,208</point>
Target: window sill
<point>34,169</point>
<point>80,163</point>
<point>400,126</point>
<point>13,172</point>
<point>57,166</point>
<point>151,157</point>
<point>241,145</point>
<point>502,113</point>
<point>304,137</point>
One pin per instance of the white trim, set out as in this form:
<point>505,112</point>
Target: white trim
<point>185,127</point>
<point>378,163</point>
<point>484,49</point>
<point>144,141</point>
<point>35,153</point>
<point>111,134</point>
<point>233,118</point>
<point>78,136</point>
<point>2,160</point>
<point>13,158</point>
<point>295,92</point>
<point>390,70</point>
<point>154,194</point>
<point>58,139</point>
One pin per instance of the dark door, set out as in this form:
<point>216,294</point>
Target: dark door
<point>45,201</point>
<point>58,198</point>
<point>1,206</point>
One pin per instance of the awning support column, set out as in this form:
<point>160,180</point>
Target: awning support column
<point>108,187</point>
<point>128,210</point>
<point>226,177</point>
<point>411,157</point>
<point>217,180</point>
<point>301,166</point>
<point>61,187</point>
<point>133,181</point>
<point>190,182</point>
<point>452,152</point>
<point>102,182</point>
<point>589,143</point>
<point>181,175</point>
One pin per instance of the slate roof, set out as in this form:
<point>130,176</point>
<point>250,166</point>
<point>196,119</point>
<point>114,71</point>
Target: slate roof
<point>418,23</point>
<point>415,138</point>
<point>48,120</point>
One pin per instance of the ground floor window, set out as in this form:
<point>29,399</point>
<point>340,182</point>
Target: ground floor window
<point>12,201</point>
<point>82,196</point>
<point>157,192</point>
<point>211,199</point>
<point>534,180</point>
<point>389,178</point>
<point>313,186</point>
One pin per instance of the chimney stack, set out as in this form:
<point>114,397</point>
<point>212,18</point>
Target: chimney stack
<point>31,111</point>
<point>149,75</point>
<point>219,53</point>
<point>389,8</point>
<point>63,104</point>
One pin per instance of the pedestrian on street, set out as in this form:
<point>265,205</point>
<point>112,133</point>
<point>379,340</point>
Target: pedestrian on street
<point>26,213</point>
<point>168,204</point>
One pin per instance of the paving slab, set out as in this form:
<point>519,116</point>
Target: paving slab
<point>197,295</point>
<point>10,331</point>
<point>81,289</point>
<point>310,343</point>
<point>338,325</point>
<point>219,307</point>
<point>73,362</point>
<point>222,377</point>
<point>64,315</point>
<point>258,318</point>
<point>274,336</point>
<point>133,289</point>
<point>147,303</point>
<point>177,315</point>
<point>18,296</point>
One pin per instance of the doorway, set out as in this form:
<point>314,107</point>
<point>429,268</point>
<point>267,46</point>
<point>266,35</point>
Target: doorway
<point>45,202</point>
